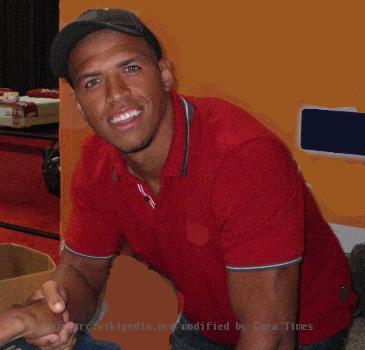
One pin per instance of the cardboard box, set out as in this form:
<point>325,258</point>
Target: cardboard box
<point>22,272</point>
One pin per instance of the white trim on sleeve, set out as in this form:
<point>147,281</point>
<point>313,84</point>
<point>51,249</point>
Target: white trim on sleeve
<point>63,246</point>
<point>265,267</point>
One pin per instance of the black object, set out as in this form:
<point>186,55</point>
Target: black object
<point>333,131</point>
<point>27,134</point>
<point>357,264</point>
<point>45,132</point>
<point>27,30</point>
<point>30,231</point>
<point>51,169</point>
<point>343,294</point>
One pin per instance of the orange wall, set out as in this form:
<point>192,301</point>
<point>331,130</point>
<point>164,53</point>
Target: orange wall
<point>269,57</point>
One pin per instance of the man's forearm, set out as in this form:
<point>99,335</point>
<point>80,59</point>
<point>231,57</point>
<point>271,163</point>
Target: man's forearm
<point>257,339</point>
<point>265,301</point>
<point>11,326</point>
<point>82,298</point>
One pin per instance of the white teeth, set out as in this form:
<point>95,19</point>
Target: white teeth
<point>125,116</point>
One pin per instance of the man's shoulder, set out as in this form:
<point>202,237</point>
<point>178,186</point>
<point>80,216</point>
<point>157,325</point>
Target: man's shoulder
<point>94,143</point>
<point>227,117</point>
<point>213,105</point>
<point>96,154</point>
<point>226,125</point>
<point>95,149</point>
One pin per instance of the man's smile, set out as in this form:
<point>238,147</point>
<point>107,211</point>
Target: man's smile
<point>123,118</point>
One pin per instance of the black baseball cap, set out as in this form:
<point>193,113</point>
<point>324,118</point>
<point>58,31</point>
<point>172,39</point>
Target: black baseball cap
<point>90,21</point>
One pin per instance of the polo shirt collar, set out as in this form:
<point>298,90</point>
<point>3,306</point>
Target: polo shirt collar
<point>177,159</point>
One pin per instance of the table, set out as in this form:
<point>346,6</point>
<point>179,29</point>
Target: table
<point>46,132</point>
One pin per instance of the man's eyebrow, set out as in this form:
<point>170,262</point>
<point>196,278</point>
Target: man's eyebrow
<point>128,61</point>
<point>119,65</point>
<point>87,75</point>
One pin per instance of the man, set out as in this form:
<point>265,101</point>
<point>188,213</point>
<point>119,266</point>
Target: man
<point>199,191</point>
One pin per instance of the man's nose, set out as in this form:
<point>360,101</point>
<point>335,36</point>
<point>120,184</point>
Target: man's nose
<point>117,89</point>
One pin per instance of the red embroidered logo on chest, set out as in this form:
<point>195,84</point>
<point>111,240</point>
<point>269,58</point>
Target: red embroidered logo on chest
<point>196,233</point>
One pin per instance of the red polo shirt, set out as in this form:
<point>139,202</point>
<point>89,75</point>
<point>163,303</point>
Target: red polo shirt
<point>231,199</point>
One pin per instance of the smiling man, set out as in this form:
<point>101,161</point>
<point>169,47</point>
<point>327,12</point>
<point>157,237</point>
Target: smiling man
<point>199,191</point>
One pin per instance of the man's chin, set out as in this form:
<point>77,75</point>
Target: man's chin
<point>136,148</point>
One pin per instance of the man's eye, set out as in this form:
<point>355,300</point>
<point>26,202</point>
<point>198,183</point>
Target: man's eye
<point>91,83</point>
<point>132,69</point>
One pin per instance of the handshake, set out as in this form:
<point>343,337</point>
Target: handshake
<point>44,321</point>
<point>73,293</point>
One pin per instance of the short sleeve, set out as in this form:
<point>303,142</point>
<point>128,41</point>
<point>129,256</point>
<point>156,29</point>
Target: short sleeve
<point>93,230</point>
<point>259,207</point>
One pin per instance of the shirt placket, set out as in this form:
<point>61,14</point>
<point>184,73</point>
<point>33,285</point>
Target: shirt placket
<point>146,196</point>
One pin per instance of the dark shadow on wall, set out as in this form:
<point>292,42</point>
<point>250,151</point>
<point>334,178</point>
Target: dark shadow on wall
<point>27,29</point>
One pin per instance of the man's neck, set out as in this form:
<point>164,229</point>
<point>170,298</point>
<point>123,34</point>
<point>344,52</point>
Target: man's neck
<point>147,164</point>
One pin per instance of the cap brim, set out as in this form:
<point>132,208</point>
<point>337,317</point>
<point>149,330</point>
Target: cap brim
<point>68,37</point>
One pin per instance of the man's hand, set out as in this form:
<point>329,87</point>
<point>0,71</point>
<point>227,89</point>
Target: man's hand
<point>56,299</point>
<point>20,321</point>
<point>82,279</point>
<point>64,340</point>
<point>31,320</point>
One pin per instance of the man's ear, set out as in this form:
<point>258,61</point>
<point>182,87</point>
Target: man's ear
<point>78,106</point>
<point>166,73</point>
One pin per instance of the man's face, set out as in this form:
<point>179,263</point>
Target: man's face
<point>120,88</point>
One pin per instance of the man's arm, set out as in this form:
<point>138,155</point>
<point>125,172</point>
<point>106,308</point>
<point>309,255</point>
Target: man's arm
<point>266,303</point>
<point>75,287</point>
<point>81,279</point>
